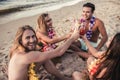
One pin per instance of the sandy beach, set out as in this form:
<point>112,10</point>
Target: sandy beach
<point>106,10</point>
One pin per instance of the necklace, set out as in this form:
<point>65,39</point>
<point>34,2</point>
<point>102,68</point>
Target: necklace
<point>91,24</point>
<point>51,33</point>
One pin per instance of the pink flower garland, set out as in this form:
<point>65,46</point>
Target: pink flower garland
<point>91,24</point>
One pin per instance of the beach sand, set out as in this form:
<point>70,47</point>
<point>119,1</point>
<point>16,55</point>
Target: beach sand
<point>107,10</point>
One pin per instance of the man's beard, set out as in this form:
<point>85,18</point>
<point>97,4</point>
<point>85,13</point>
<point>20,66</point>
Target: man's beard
<point>28,48</point>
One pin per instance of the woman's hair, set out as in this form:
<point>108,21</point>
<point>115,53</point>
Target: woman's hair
<point>41,22</point>
<point>17,45</point>
<point>112,60</point>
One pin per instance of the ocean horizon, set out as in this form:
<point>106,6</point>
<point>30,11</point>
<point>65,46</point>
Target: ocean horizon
<point>15,9</point>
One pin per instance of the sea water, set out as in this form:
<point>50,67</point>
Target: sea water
<point>15,9</point>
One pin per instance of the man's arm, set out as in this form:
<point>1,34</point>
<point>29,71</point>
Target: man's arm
<point>92,50</point>
<point>36,56</point>
<point>103,34</point>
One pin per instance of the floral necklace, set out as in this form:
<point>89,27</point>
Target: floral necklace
<point>51,33</point>
<point>91,24</point>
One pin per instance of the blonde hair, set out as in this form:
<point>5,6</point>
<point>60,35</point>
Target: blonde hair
<point>17,45</point>
<point>41,23</point>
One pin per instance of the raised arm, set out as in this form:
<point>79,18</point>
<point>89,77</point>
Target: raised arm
<point>49,40</point>
<point>36,56</point>
<point>93,51</point>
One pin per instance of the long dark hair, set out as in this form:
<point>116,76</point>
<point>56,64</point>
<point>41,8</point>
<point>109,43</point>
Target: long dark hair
<point>111,61</point>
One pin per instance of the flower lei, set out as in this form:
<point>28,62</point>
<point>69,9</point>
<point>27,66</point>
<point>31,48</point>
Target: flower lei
<point>91,24</point>
<point>51,33</point>
<point>96,63</point>
<point>31,72</point>
<point>93,66</point>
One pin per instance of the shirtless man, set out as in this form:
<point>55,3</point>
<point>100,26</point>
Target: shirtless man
<point>93,27</point>
<point>24,52</point>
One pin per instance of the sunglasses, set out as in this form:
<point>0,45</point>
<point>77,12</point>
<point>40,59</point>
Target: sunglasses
<point>49,20</point>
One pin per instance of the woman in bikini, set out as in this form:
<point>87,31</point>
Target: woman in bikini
<point>105,65</point>
<point>46,34</point>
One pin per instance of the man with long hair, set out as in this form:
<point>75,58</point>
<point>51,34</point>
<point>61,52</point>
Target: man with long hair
<point>104,65</point>
<point>24,52</point>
